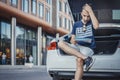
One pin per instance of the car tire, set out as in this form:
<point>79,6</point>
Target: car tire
<point>60,79</point>
<point>56,77</point>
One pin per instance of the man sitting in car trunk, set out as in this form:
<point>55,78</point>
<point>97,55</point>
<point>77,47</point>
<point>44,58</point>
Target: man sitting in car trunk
<point>82,41</point>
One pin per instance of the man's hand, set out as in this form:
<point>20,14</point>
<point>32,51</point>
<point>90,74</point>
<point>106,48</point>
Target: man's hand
<point>73,41</point>
<point>87,8</point>
<point>94,20</point>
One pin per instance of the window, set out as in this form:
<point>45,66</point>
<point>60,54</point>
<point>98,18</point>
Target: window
<point>60,6</point>
<point>47,15</point>
<point>5,41</point>
<point>60,21</point>
<point>65,22</point>
<point>20,33</point>
<point>69,25</point>
<point>20,45</point>
<point>31,34</point>
<point>33,6</point>
<point>14,3</point>
<point>48,1</point>
<point>5,30</point>
<point>66,8</point>
<point>116,14</point>
<point>4,1</point>
<point>63,6</point>
<point>31,45</point>
<point>41,10</point>
<point>25,5</point>
<point>26,45</point>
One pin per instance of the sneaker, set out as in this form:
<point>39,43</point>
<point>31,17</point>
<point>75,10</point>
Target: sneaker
<point>89,62</point>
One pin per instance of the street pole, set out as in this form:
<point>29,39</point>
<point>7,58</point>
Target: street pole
<point>39,41</point>
<point>13,42</point>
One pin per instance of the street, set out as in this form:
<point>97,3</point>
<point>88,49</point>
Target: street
<point>24,74</point>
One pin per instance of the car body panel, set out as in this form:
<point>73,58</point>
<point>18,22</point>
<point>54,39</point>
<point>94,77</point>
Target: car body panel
<point>107,64</point>
<point>102,62</point>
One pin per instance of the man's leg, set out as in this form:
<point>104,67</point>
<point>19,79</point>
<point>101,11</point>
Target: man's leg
<point>79,70</point>
<point>70,50</point>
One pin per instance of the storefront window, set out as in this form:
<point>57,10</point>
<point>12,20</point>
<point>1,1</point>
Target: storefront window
<point>5,43</point>
<point>20,45</point>
<point>26,46</point>
<point>31,46</point>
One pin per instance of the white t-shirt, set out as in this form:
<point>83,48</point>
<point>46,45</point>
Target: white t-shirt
<point>31,59</point>
<point>3,56</point>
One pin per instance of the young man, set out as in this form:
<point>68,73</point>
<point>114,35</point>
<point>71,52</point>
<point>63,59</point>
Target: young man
<point>82,41</point>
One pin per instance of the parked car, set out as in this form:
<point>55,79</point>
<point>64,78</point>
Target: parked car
<point>62,66</point>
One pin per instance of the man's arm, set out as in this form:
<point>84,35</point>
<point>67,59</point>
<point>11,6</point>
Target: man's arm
<point>92,16</point>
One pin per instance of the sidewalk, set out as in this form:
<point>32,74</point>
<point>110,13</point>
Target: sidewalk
<point>22,67</point>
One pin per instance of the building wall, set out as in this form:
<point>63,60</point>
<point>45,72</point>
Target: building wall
<point>54,13</point>
<point>30,15</point>
<point>64,16</point>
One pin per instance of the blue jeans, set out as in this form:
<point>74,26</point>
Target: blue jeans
<point>3,61</point>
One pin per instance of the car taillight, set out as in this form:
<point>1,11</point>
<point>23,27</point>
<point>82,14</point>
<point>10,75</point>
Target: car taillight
<point>52,46</point>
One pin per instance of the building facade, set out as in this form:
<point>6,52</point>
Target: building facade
<point>27,27</point>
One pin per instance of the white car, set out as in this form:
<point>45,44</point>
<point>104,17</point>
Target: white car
<point>62,66</point>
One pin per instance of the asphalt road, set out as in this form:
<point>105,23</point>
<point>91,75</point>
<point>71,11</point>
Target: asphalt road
<point>26,74</point>
<point>23,74</point>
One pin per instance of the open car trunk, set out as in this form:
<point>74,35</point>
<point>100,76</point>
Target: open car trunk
<point>107,40</point>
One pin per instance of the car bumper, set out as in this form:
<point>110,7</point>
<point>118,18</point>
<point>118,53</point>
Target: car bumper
<point>90,75</point>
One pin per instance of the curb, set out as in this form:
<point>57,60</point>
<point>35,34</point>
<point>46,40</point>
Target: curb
<point>21,67</point>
